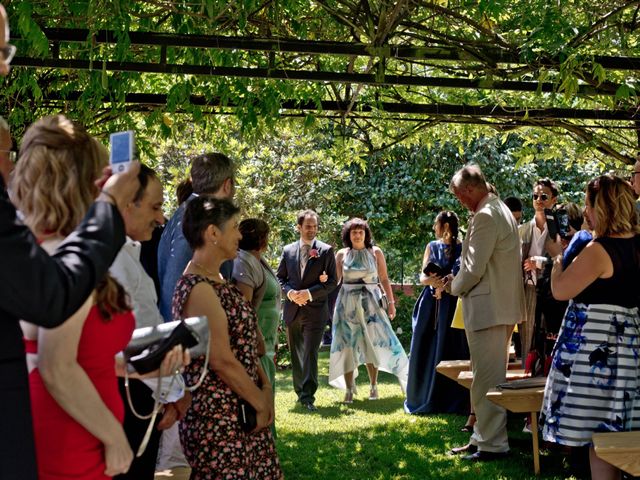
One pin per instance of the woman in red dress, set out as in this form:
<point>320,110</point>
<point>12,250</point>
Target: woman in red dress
<point>76,406</point>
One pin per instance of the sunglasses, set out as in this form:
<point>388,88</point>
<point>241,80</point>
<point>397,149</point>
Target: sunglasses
<point>543,196</point>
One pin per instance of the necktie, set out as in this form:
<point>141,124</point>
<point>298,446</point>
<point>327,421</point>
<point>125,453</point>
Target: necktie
<point>304,256</point>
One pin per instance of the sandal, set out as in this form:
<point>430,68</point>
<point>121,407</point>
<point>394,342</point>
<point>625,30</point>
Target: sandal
<point>469,425</point>
<point>348,396</point>
<point>373,392</point>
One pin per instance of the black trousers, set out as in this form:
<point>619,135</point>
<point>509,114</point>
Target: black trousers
<point>144,467</point>
<point>304,336</point>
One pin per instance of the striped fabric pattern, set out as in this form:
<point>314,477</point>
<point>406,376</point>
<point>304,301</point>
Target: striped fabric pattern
<point>594,382</point>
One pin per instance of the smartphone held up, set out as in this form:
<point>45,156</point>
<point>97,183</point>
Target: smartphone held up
<point>122,150</point>
<point>557,222</point>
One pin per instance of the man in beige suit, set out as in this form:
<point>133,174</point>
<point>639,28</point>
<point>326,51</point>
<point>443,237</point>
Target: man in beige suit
<point>490,285</point>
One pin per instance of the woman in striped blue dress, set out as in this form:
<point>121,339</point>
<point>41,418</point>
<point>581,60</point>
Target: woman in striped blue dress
<point>594,382</point>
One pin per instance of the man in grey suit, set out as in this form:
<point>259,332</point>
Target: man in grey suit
<point>306,308</point>
<point>490,285</point>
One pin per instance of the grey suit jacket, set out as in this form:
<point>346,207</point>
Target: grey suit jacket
<point>490,277</point>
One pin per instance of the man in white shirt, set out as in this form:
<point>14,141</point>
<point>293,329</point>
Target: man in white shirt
<point>141,218</point>
<point>533,236</point>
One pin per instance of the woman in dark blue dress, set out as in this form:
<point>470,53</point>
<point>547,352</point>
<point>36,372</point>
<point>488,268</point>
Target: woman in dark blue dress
<point>433,338</point>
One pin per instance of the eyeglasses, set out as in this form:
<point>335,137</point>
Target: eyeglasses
<point>542,196</point>
<point>7,53</point>
<point>12,154</point>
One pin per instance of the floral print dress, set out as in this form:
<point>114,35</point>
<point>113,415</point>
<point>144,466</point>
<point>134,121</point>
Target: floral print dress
<point>361,331</point>
<point>594,381</point>
<point>214,444</point>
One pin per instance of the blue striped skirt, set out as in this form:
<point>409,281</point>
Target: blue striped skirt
<point>594,383</point>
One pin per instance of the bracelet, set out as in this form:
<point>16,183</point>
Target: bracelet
<point>391,302</point>
<point>110,195</point>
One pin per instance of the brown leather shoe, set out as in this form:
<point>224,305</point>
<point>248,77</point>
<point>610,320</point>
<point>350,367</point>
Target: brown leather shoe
<point>466,449</point>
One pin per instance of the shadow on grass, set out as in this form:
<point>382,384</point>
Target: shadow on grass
<point>375,440</point>
<point>397,451</point>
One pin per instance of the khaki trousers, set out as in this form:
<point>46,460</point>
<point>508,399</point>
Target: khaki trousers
<point>526,328</point>
<point>489,350</point>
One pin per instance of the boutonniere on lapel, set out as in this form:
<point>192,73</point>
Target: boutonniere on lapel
<point>313,253</point>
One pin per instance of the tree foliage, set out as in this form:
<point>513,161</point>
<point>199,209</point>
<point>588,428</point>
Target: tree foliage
<point>399,190</point>
<point>561,44</point>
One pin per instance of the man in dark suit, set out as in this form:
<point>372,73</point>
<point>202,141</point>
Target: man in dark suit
<point>306,308</point>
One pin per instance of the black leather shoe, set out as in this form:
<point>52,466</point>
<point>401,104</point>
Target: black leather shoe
<point>482,456</point>
<point>468,448</point>
<point>310,406</point>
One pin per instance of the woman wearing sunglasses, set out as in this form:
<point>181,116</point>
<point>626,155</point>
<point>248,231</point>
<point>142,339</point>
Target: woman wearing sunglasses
<point>533,235</point>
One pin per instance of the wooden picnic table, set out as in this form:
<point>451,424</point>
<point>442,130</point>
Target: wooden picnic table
<point>524,400</point>
<point>620,449</point>
<point>465,378</point>
<point>452,368</point>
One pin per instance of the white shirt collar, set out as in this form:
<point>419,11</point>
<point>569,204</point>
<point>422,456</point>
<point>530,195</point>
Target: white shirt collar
<point>302,242</point>
<point>133,247</point>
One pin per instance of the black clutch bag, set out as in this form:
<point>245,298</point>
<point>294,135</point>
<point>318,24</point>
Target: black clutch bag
<point>149,355</point>
<point>433,268</point>
<point>247,416</point>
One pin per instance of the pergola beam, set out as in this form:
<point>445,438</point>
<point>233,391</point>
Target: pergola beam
<point>496,55</point>
<point>432,109</point>
<point>304,75</point>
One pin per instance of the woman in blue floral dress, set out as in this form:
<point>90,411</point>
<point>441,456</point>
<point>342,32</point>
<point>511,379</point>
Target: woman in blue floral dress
<point>215,444</point>
<point>362,331</point>
<point>594,382</point>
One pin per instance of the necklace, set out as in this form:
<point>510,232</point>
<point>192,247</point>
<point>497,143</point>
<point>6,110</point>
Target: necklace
<point>209,272</point>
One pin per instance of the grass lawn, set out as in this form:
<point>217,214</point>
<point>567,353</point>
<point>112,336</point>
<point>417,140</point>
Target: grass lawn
<point>377,440</point>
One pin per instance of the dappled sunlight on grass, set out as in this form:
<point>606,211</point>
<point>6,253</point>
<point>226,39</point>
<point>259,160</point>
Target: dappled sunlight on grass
<point>377,440</point>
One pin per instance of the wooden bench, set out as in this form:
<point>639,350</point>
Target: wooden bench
<point>465,378</point>
<point>452,368</point>
<point>620,449</point>
<point>525,400</point>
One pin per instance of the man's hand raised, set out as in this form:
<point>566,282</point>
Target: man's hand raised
<point>120,188</point>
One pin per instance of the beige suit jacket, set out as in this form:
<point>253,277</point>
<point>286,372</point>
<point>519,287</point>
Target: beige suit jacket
<point>490,277</point>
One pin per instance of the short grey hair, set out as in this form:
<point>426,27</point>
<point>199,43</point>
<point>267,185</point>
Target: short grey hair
<point>468,176</point>
<point>209,171</point>
<point>4,126</point>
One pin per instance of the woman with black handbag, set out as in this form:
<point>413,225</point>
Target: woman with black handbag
<point>224,433</point>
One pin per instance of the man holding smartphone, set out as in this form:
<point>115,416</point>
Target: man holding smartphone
<point>45,290</point>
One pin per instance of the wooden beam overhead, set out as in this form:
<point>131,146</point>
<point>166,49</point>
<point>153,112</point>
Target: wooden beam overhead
<point>431,109</point>
<point>407,52</point>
